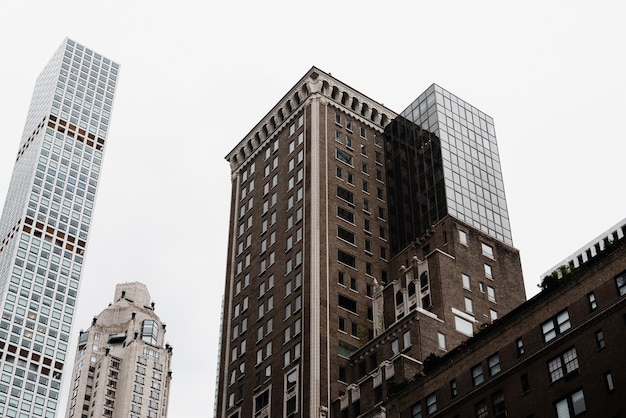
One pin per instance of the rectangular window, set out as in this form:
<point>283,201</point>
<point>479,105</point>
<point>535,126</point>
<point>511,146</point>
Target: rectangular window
<point>620,282</point>
<point>525,383</point>
<point>572,405</point>
<point>345,214</point>
<point>608,377</point>
<point>468,306</point>
<point>562,365</point>
<point>261,402</point>
<point>477,375</point>
<point>491,294</point>
<point>487,250</point>
<point>520,346</point>
<point>345,194</point>
<point>346,258</point>
<point>462,237</point>
<point>481,409</point>
<point>453,389</point>
<point>493,362</point>
<point>593,304</point>
<point>344,157</point>
<point>555,326</point>
<point>463,326</point>
<point>416,410</point>
<point>347,303</point>
<point>406,339</point>
<point>600,339</point>
<point>346,235</point>
<point>493,315</point>
<point>441,339</point>
<point>488,271</point>
<point>431,403</point>
<point>466,281</point>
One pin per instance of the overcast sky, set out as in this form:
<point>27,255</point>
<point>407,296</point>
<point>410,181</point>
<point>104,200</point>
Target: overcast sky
<point>197,76</point>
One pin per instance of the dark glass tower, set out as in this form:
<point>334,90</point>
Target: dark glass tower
<point>442,159</point>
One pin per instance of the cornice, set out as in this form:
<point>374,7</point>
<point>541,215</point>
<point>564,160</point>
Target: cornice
<point>315,83</point>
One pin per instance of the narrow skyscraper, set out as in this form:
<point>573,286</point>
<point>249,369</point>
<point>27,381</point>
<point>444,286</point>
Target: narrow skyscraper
<point>122,365</point>
<point>357,235</point>
<point>45,225</point>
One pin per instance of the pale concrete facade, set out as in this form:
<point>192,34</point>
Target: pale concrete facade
<point>122,366</point>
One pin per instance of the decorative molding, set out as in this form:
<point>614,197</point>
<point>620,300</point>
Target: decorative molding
<point>315,82</point>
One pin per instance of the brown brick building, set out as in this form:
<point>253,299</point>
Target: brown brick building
<point>352,225</point>
<point>557,355</point>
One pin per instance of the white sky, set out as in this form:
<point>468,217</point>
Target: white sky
<point>197,76</point>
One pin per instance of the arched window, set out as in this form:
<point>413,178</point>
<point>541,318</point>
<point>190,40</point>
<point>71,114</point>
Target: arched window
<point>411,289</point>
<point>399,298</point>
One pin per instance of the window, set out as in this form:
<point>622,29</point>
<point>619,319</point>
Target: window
<point>346,235</point>
<point>525,383</point>
<point>468,305</point>
<point>608,377</point>
<point>466,281</point>
<point>338,119</point>
<point>520,346</point>
<point>491,294</point>
<point>493,315</point>
<point>593,304</point>
<point>431,403</point>
<point>499,408</point>
<point>562,365</point>
<point>344,157</point>
<point>416,410</point>
<point>487,250</point>
<point>493,362</point>
<point>341,278</point>
<point>406,339</point>
<point>481,409</point>
<point>600,339</point>
<point>555,326</point>
<point>149,332</point>
<point>572,405</point>
<point>342,324</point>
<point>346,195</point>
<point>462,237</point>
<point>477,375</point>
<point>347,303</point>
<point>453,388</point>
<point>488,271</point>
<point>346,258</point>
<point>620,282</point>
<point>345,214</point>
<point>463,326</point>
<point>261,401</point>
<point>441,338</point>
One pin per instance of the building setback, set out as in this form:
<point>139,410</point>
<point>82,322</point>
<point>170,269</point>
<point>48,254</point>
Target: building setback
<point>45,225</point>
<point>122,365</point>
<point>556,355</point>
<point>348,219</point>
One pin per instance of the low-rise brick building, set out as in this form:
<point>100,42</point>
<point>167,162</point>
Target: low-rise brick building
<point>556,355</point>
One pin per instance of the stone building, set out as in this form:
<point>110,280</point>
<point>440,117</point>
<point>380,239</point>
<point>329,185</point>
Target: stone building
<point>122,367</point>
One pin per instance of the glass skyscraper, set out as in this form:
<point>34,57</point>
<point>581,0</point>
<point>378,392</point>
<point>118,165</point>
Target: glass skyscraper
<point>442,159</point>
<point>45,225</point>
